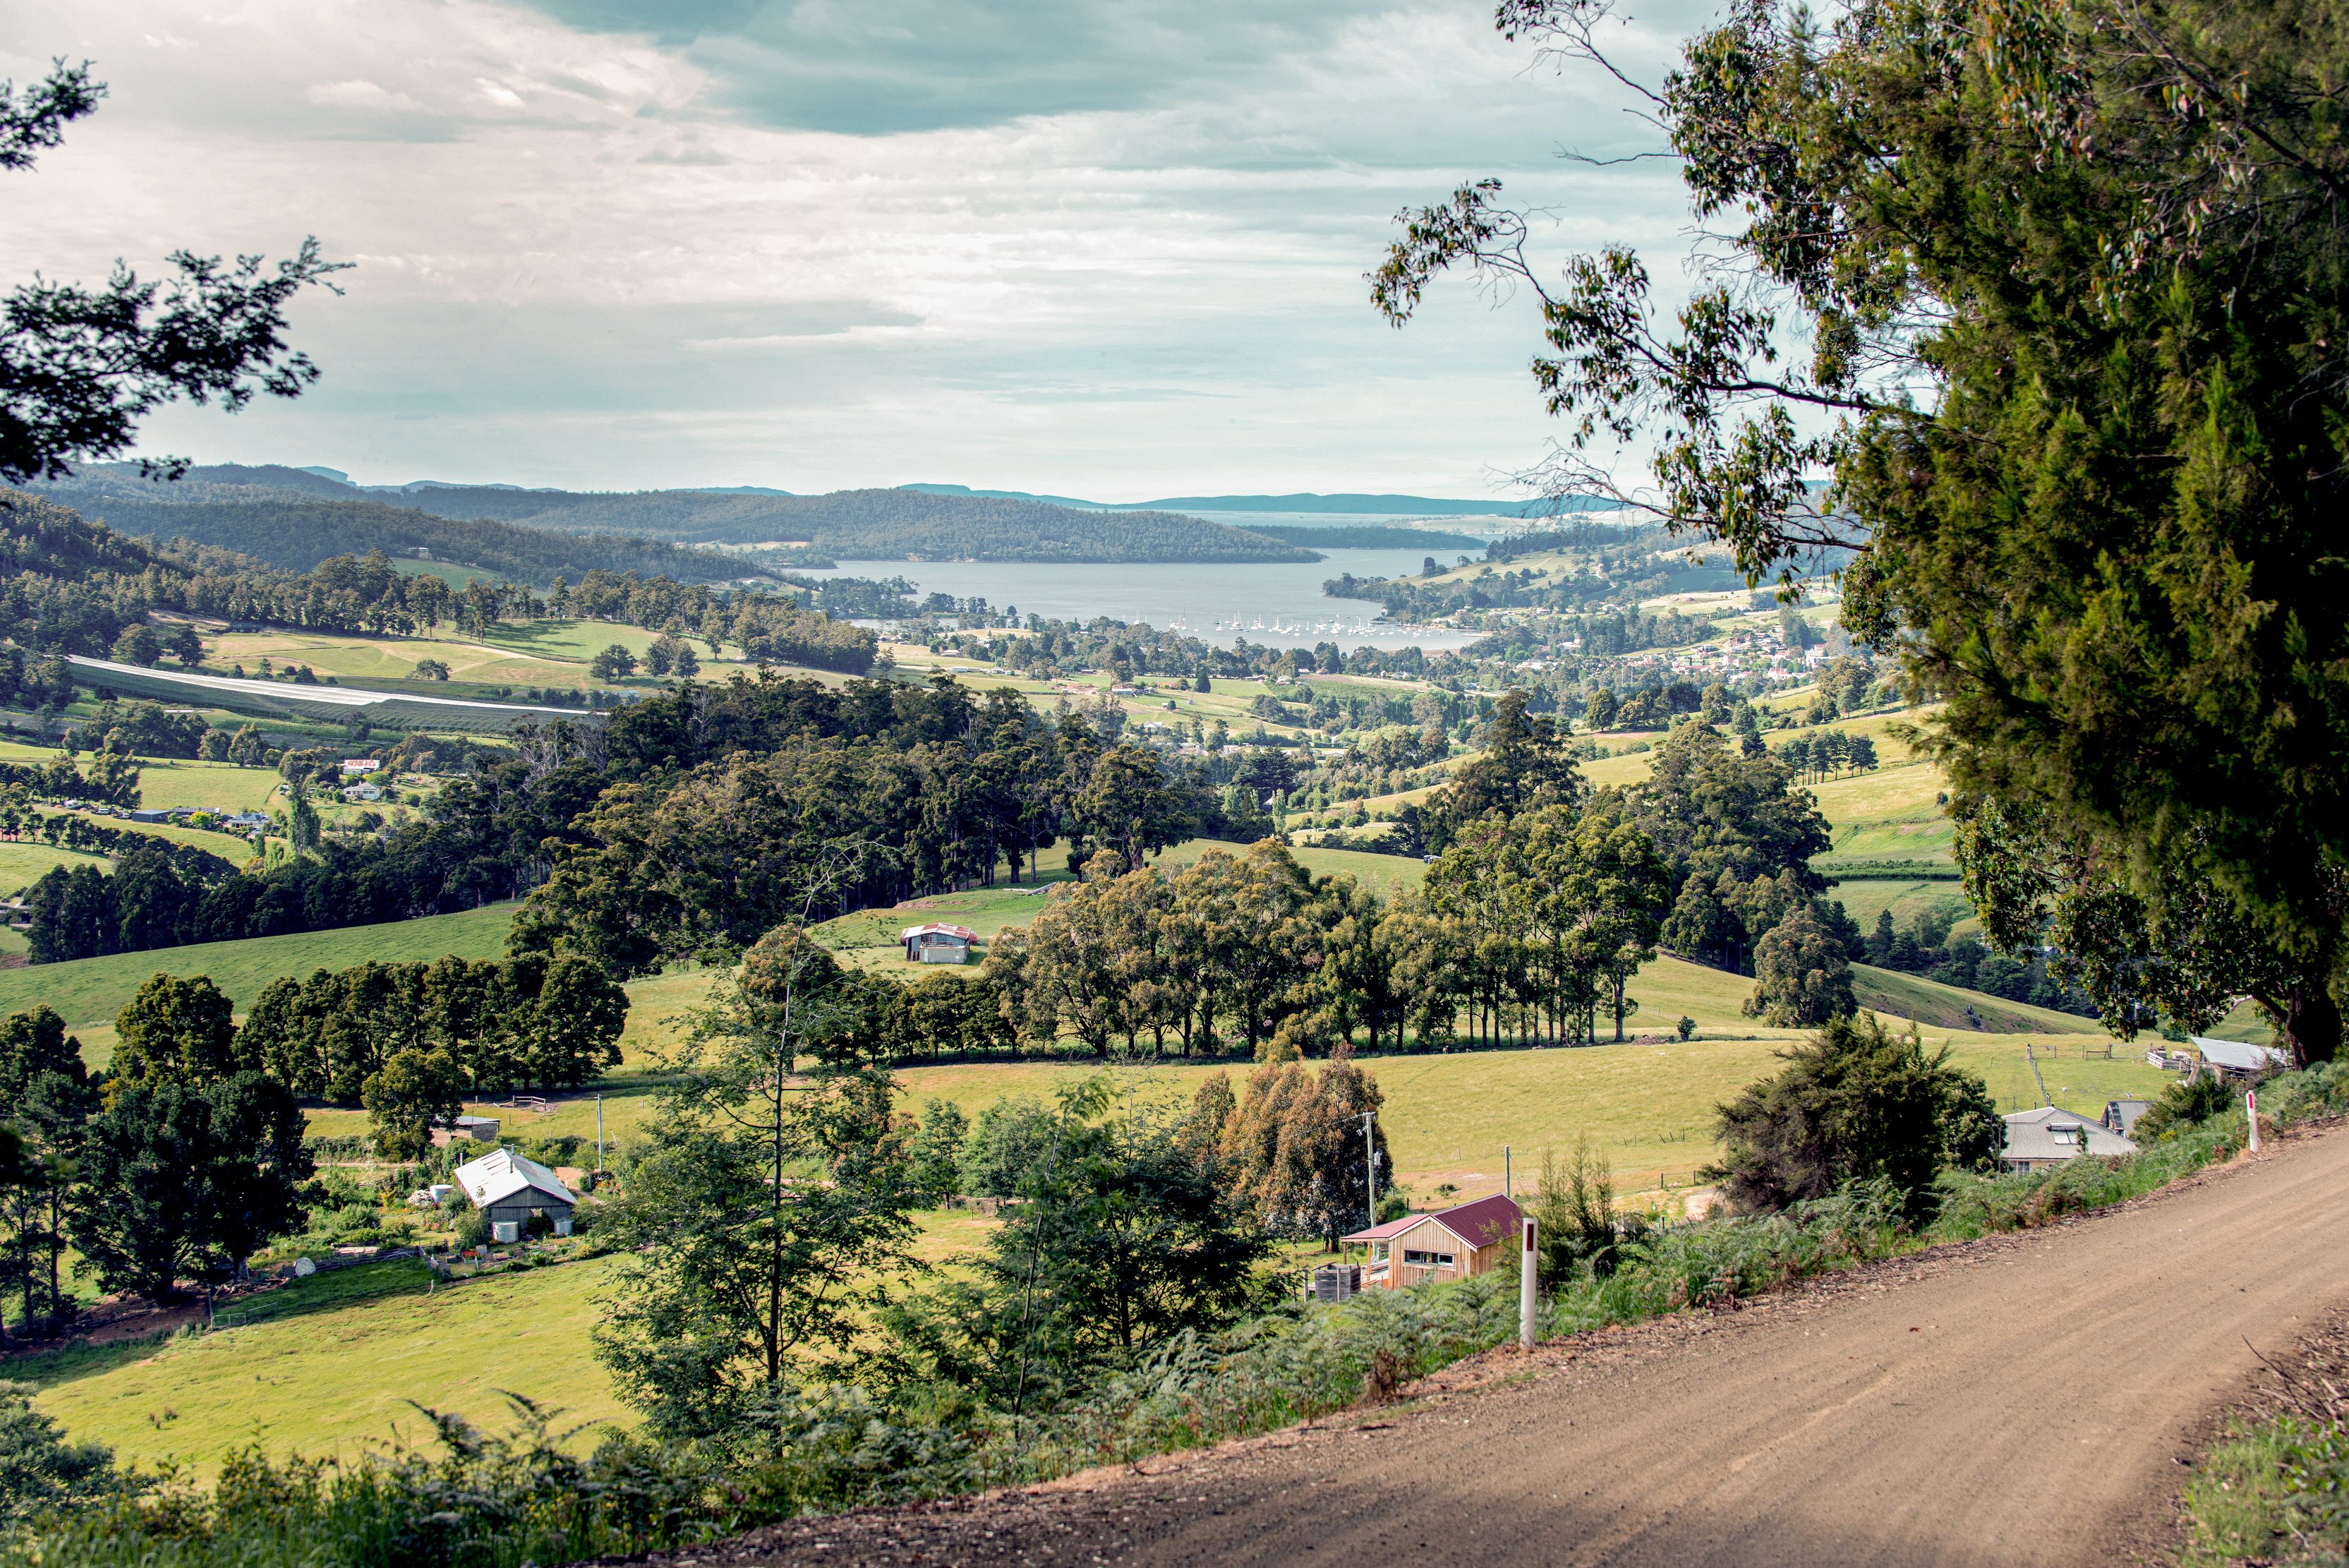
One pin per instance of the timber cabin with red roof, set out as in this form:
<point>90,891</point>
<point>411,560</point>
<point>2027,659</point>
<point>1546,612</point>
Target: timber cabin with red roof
<point>1448,1244</point>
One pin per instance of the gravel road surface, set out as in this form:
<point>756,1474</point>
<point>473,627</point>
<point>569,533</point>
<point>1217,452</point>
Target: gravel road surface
<point>2022,1400</point>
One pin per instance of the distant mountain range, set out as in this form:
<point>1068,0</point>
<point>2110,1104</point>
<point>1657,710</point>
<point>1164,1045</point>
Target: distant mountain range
<point>270,516</point>
<point>284,514</point>
<point>1303,502</point>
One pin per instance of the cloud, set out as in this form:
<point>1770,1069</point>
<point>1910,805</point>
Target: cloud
<point>1093,248</point>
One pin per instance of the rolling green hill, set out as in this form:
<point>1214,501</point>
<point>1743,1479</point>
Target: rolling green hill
<point>89,992</point>
<point>294,518</point>
<point>295,531</point>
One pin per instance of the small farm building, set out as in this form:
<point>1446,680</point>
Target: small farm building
<point>2236,1059</point>
<point>1449,1245</point>
<point>2036,1140</point>
<point>508,1189</point>
<point>467,1129</point>
<point>937,943</point>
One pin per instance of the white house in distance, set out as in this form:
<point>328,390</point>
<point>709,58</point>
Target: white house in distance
<point>2036,1140</point>
<point>508,1189</point>
<point>937,943</point>
<point>1449,1245</point>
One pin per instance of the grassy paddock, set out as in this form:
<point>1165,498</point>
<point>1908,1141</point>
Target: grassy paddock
<point>89,992</point>
<point>334,1377</point>
<point>328,1365</point>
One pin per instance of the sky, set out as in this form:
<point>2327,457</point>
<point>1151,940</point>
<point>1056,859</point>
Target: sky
<point>1104,249</point>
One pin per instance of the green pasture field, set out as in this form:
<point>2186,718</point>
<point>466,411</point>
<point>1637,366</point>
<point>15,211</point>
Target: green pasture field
<point>168,782</point>
<point>90,991</point>
<point>21,865</point>
<point>337,1358</point>
<point>1385,874</point>
<point>1648,1107</point>
<point>449,572</point>
<point>1938,1006</point>
<point>527,653</point>
<point>339,1378</point>
<point>1863,900</point>
<point>1666,989</point>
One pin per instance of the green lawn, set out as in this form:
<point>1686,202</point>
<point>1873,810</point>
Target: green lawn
<point>165,783</point>
<point>335,1379</point>
<point>21,865</point>
<point>92,990</point>
<point>328,1365</point>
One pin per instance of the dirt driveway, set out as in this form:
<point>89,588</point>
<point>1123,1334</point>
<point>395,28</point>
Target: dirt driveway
<point>2020,1401</point>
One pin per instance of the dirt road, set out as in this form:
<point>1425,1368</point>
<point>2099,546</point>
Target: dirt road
<point>2022,1401</point>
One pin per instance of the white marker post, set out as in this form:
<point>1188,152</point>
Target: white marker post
<point>1529,1271</point>
<point>2251,1115</point>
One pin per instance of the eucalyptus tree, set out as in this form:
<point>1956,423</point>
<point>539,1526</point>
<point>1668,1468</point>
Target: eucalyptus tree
<point>767,1217</point>
<point>2051,297</point>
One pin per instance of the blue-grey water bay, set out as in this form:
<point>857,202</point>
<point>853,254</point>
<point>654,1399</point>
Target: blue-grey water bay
<point>1275,604</point>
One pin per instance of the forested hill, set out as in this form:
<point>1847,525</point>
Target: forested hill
<point>264,503</point>
<point>295,528</point>
<point>877,524</point>
<point>70,584</point>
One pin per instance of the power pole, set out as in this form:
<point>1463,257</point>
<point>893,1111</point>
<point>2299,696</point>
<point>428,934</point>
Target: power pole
<point>599,1136</point>
<point>1370,1160</point>
<point>1508,1184</point>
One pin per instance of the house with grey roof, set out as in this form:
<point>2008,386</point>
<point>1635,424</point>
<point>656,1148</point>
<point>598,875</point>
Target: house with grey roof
<point>2050,1136</point>
<point>509,1190</point>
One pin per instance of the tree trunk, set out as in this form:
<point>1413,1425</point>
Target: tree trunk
<point>2311,1021</point>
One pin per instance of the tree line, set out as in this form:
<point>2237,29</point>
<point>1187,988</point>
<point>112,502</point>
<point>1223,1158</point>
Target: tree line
<point>673,824</point>
<point>78,588</point>
<point>174,1165</point>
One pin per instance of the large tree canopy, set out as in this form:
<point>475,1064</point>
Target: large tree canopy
<point>2052,296</point>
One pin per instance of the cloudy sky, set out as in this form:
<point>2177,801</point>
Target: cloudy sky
<point>1107,249</point>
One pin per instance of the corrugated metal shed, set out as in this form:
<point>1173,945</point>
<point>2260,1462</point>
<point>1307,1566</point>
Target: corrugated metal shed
<point>497,1178</point>
<point>2236,1056</point>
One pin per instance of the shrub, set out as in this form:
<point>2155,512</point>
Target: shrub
<point>2186,1104</point>
<point>1855,1102</point>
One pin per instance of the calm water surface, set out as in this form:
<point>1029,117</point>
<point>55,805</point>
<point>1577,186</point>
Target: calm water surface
<point>1271,604</point>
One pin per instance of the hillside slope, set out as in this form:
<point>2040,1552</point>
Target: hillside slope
<point>1897,1416</point>
<point>90,991</point>
<point>1898,995</point>
<point>297,530</point>
<point>263,504</point>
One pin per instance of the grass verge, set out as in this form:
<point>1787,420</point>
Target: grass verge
<point>483,1502</point>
